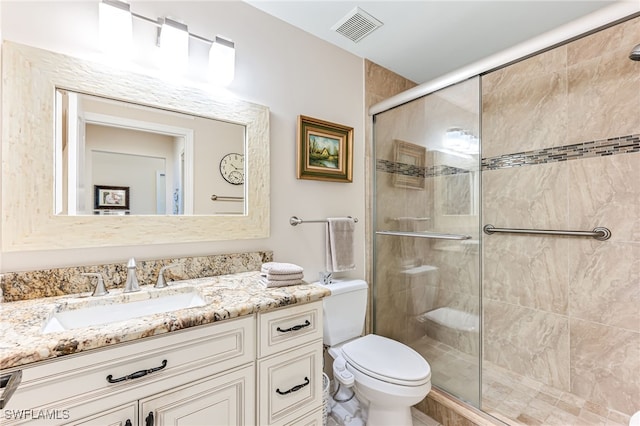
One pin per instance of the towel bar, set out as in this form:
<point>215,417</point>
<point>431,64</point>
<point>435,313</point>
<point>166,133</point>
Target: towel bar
<point>295,220</point>
<point>225,198</point>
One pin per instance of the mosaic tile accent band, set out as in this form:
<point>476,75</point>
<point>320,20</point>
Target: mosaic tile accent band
<point>600,148</point>
<point>612,146</point>
<point>415,171</point>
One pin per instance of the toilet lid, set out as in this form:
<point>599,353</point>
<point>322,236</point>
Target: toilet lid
<point>387,360</point>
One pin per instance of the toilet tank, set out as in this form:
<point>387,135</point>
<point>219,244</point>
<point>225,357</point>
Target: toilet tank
<point>344,311</point>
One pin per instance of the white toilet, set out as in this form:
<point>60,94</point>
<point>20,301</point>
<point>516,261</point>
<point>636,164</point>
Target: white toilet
<point>386,375</point>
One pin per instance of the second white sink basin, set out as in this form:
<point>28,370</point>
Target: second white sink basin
<point>108,310</point>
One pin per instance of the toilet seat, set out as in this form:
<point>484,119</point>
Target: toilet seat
<point>387,360</point>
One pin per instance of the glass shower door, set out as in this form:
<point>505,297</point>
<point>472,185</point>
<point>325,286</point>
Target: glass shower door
<point>426,279</point>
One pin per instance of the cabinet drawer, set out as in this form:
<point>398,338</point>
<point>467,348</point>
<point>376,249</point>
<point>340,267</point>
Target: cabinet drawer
<point>285,328</point>
<point>290,384</point>
<point>312,419</point>
<point>77,380</point>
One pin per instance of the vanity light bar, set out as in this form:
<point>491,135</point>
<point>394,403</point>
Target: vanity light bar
<point>158,22</point>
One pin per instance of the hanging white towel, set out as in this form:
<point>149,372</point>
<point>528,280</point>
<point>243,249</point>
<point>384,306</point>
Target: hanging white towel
<point>340,244</point>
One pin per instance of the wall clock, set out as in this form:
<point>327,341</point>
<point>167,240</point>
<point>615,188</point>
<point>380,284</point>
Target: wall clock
<point>232,168</point>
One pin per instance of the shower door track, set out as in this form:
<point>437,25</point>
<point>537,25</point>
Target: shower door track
<point>433,235</point>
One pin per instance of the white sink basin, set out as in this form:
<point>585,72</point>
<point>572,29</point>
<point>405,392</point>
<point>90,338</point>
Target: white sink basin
<point>107,309</point>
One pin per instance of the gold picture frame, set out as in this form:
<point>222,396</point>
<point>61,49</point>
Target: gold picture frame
<point>325,150</point>
<point>410,160</point>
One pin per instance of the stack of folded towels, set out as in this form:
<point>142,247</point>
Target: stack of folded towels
<point>278,274</point>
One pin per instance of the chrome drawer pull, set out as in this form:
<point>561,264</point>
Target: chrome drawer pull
<point>295,327</point>
<point>296,388</point>
<point>137,374</point>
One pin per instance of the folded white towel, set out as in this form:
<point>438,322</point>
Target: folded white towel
<point>277,268</point>
<point>340,244</point>
<point>282,277</point>
<point>280,283</point>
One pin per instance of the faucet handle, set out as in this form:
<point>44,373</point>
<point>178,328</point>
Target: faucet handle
<point>100,289</point>
<point>326,277</point>
<point>161,283</point>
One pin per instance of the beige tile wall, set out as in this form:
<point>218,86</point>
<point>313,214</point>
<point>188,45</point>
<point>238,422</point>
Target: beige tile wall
<point>565,311</point>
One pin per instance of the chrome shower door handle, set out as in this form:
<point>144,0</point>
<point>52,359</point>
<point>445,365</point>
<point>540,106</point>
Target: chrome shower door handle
<point>431,235</point>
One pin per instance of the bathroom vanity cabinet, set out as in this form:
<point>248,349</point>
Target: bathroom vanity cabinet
<point>214,374</point>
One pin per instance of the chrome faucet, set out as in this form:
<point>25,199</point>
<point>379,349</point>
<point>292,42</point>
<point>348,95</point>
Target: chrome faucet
<point>326,278</point>
<point>132,280</point>
<point>161,283</point>
<point>100,289</point>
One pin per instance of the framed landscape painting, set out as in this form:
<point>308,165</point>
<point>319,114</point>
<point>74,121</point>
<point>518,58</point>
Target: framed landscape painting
<point>325,150</point>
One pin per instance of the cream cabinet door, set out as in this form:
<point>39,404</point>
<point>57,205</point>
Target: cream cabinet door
<point>125,415</point>
<point>224,400</point>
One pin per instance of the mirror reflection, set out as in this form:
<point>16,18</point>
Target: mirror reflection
<point>115,157</point>
<point>457,184</point>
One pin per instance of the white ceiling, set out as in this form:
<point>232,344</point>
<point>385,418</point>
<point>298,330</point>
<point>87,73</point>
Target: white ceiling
<point>425,39</point>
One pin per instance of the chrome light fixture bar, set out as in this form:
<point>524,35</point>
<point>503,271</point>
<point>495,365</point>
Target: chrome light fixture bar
<point>171,40</point>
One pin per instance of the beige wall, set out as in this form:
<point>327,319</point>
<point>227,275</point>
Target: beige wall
<point>564,311</point>
<point>277,65</point>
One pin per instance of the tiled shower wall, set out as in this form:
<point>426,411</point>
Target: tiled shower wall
<point>560,148</point>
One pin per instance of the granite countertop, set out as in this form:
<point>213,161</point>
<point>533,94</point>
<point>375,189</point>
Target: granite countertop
<point>226,296</point>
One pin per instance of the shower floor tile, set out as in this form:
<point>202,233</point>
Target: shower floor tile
<point>509,397</point>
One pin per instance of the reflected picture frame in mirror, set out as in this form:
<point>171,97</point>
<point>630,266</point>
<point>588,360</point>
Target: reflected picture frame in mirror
<point>31,77</point>
<point>410,159</point>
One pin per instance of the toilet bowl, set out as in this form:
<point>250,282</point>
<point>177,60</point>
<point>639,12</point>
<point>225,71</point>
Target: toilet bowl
<point>387,376</point>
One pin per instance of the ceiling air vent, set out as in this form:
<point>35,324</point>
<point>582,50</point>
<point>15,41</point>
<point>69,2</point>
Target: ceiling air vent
<point>356,25</point>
